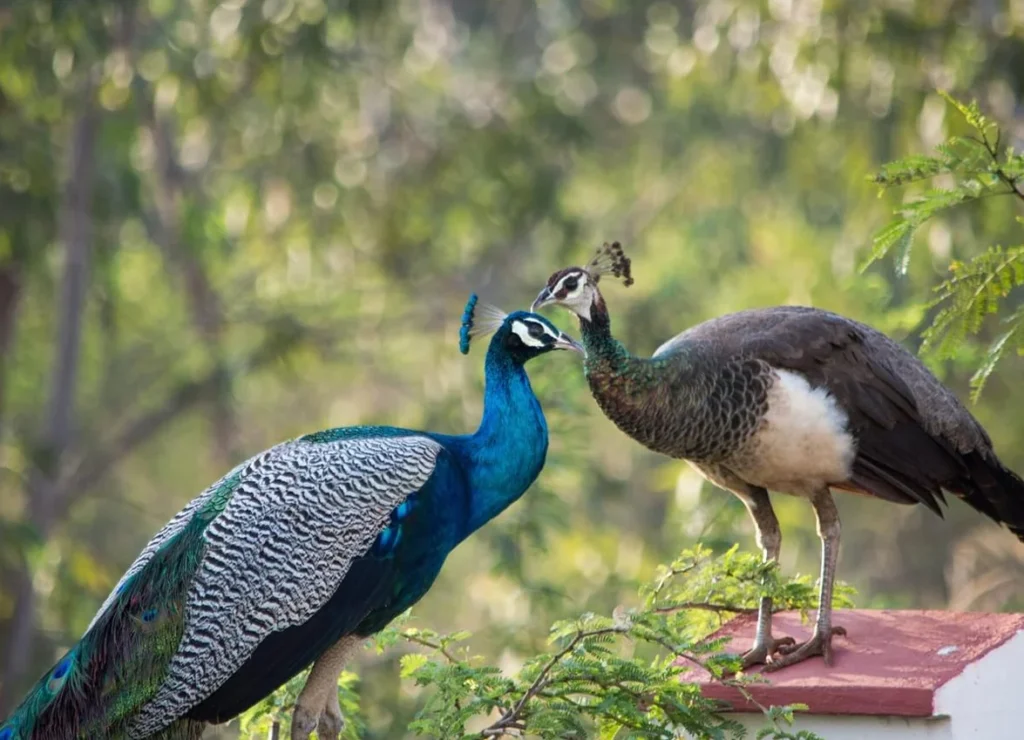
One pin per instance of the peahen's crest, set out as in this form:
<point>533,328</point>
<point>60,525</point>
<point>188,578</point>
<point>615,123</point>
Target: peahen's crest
<point>610,258</point>
<point>478,319</point>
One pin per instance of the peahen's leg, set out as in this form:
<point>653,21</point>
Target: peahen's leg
<point>821,641</point>
<point>317,707</point>
<point>769,539</point>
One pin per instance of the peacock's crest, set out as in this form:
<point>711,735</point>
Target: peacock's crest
<point>610,258</point>
<point>478,319</point>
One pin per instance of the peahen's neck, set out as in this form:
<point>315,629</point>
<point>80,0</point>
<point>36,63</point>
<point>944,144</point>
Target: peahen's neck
<point>634,392</point>
<point>607,358</point>
<point>506,453</point>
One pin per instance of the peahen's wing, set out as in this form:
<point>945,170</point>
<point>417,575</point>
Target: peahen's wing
<point>278,548</point>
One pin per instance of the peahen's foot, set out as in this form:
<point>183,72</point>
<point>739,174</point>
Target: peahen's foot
<point>819,644</point>
<point>326,719</point>
<point>764,651</point>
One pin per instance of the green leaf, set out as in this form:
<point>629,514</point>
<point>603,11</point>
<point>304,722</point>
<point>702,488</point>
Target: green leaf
<point>971,113</point>
<point>897,234</point>
<point>412,662</point>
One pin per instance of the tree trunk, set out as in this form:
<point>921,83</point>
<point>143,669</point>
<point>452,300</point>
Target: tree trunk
<point>76,236</point>
<point>204,303</point>
<point>10,297</point>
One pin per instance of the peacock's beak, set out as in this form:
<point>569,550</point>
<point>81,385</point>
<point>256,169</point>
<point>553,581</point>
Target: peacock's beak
<point>544,298</point>
<point>564,341</point>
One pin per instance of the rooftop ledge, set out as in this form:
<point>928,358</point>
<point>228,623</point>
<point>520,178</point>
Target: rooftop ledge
<point>898,674</point>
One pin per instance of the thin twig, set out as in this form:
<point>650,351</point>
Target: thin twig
<point>993,152</point>
<point>719,608</point>
<point>432,645</point>
<point>513,715</point>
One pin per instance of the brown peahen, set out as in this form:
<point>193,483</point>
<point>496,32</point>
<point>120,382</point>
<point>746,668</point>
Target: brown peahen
<point>795,400</point>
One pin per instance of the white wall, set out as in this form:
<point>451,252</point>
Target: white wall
<point>863,728</point>
<point>985,701</point>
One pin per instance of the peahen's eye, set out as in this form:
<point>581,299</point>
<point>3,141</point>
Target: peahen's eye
<point>571,283</point>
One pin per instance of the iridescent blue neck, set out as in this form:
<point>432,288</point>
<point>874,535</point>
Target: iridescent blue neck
<point>506,453</point>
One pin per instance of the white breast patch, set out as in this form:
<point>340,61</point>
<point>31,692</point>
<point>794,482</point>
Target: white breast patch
<point>803,443</point>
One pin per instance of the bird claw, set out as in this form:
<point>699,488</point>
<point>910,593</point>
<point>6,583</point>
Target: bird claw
<point>761,653</point>
<point>327,720</point>
<point>819,644</point>
<point>332,721</point>
<point>304,721</point>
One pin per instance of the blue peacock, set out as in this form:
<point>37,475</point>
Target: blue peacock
<point>295,557</point>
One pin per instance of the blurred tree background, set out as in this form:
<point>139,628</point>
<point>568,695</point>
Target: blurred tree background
<point>226,224</point>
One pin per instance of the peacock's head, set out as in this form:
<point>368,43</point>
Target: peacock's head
<point>576,287</point>
<point>522,335</point>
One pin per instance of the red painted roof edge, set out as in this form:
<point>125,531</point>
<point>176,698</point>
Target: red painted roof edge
<point>829,700</point>
<point>877,670</point>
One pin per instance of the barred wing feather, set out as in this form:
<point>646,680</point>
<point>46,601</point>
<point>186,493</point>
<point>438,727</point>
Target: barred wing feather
<point>300,513</point>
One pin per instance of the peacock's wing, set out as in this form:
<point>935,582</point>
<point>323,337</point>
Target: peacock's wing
<point>259,551</point>
<point>379,585</point>
<point>279,548</point>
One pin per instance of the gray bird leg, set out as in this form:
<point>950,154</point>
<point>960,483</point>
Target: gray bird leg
<point>821,641</point>
<point>769,539</point>
<point>317,707</point>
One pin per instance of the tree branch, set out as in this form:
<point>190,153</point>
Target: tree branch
<point>163,227</point>
<point>432,645</point>
<point>144,428</point>
<point>993,152</point>
<point>718,608</point>
<point>513,716</point>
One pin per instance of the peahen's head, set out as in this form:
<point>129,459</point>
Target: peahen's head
<point>521,335</point>
<point>576,287</point>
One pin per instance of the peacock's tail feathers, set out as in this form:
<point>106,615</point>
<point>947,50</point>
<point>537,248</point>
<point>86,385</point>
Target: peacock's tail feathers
<point>121,661</point>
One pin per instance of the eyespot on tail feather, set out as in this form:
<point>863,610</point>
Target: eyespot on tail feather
<point>467,324</point>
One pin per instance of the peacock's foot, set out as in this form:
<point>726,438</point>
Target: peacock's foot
<point>819,644</point>
<point>325,717</point>
<point>332,721</point>
<point>764,651</point>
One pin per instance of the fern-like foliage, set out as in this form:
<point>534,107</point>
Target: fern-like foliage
<point>976,290</point>
<point>980,167</point>
<point>612,676</point>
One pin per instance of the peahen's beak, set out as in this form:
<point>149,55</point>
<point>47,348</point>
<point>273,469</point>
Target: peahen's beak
<point>543,299</point>
<point>564,341</point>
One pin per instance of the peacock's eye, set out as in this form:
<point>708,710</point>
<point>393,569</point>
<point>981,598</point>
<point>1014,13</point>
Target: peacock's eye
<point>535,329</point>
<point>571,283</point>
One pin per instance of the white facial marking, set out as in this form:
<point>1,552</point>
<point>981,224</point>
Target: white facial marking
<point>523,332</point>
<point>579,278</point>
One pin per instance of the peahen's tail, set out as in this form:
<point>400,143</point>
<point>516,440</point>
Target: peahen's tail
<point>1000,490</point>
